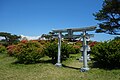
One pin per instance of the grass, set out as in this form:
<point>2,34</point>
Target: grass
<point>9,70</point>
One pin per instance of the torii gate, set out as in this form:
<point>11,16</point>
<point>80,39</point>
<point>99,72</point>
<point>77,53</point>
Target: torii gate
<point>58,33</point>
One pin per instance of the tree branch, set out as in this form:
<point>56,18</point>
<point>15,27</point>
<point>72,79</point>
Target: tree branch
<point>115,20</point>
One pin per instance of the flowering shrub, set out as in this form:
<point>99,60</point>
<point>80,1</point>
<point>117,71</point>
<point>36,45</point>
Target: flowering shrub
<point>92,43</point>
<point>107,54</point>
<point>11,49</point>
<point>3,49</point>
<point>24,41</point>
<point>28,52</point>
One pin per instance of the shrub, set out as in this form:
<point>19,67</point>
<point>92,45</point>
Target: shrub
<point>3,50</point>
<point>11,49</point>
<point>67,49</point>
<point>52,51</point>
<point>77,48</point>
<point>93,43</point>
<point>107,54</point>
<point>29,52</point>
<point>24,41</point>
<point>43,42</point>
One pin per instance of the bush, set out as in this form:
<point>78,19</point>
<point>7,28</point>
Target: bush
<point>91,44</point>
<point>29,52</point>
<point>43,42</point>
<point>3,50</point>
<point>52,51</point>
<point>77,48</point>
<point>67,49</point>
<point>107,54</point>
<point>11,49</point>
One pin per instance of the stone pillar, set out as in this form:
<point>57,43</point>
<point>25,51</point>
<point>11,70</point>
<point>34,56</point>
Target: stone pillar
<point>59,51</point>
<point>85,65</point>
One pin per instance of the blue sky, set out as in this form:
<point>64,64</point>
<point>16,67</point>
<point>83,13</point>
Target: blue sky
<point>36,17</point>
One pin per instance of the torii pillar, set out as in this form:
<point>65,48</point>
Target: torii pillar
<point>59,50</point>
<point>85,65</point>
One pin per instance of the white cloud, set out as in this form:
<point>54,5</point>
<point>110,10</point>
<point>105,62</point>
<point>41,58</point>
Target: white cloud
<point>2,38</point>
<point>31,37</point>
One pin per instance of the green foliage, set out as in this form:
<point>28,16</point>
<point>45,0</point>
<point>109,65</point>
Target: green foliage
<point>29,52</point>
<point>77,46</point>
<point>117,38</point>
<point>109,16</point>
<point>107,54</point>
<point>52,51</point>
<point>3,50</point>
<point>3,42</point>
<point>9,38</point>
<point>67,49</point>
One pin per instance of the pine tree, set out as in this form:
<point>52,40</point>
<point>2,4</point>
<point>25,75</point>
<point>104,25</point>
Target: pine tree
<point>109,16</point>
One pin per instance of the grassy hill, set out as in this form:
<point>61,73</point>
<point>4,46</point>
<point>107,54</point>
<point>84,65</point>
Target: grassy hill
<point>10,70</point>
